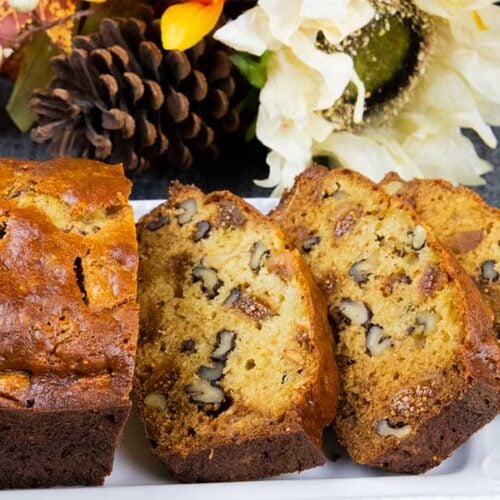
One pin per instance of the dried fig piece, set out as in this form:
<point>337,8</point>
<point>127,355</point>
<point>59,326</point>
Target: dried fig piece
<point>431,281</point>
<point>248,305</point>
<point>189,209</point>
<point>229,215</point>
<point>392,280</point>
<point>464,241</point>
<point>282,265</point>
<point>345,224</point>
<point>386,428</point>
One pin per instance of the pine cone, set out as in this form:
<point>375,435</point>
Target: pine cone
<point>119,97</point>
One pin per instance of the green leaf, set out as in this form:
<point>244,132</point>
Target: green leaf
<point>254,69</point>
<point>35,72</point>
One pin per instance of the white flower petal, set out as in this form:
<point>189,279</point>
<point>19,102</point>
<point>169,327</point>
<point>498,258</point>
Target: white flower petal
<point>276,163</point>
<point>336,70</point>
<point>249,32</point>
<point>319,127</point>
<point>324,9</point>
<point>449,156</point>
<point>367,156</point>
<point>290,87</point>
<point>446,96</point>
<point>451,8</point>
<point>284,18</point>
<point>290,139</point>
<point>359,107</point>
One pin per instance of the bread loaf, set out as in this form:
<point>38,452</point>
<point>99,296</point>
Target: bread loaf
<point>235,375</point>
<point>418,360</point>
<point>68,320</point>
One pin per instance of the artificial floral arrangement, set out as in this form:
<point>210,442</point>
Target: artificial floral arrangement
<point>376,85</point>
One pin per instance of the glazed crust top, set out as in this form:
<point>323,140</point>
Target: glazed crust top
<point>68,264</point>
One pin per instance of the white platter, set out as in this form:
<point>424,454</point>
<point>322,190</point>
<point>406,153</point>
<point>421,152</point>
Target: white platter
<point>473,471</point>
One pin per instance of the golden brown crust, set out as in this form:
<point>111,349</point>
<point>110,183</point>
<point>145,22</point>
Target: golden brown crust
<point>240,434</point>
<point>68,312</point>
<point>472,377</point>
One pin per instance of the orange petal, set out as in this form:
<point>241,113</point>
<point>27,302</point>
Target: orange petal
<point>184,25</point>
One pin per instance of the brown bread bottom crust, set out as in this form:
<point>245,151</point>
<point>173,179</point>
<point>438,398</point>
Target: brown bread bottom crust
<point>58,448</point>
<point>253,459</point>
<point>442,434</point>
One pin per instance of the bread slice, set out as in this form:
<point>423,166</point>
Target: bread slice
<point>466,225</point>
<point>235,375</point>
<point>418,360</point>
<point>68,320</point>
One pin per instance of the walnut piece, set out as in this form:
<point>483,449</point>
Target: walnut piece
<point>158,223</point>
<point>189,209</point>
<point>226,342</point>
<point>376,343</point>
<point>310,243</point>
<point>488,271</point>
<point>258,252</point>
<point>360,272</point>
<point>210,281</point>
<point>385,428</point>
<point>357,312</point>
<point>204,391</point>
<point>202,230</point>
<point>211,373</point>
<point>418,237</point>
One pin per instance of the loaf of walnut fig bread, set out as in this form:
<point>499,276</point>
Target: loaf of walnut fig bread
<point>418,360</point>
<point>464,223</point>
<point>68,320</point>
<point>235,375</point>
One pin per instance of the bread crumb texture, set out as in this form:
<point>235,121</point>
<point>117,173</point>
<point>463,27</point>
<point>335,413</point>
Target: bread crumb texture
<point>466,226</point>
<point>234,346</point>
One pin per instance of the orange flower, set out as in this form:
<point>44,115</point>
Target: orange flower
<point>184,25</point>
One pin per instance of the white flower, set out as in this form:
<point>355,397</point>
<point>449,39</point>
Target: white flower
<point>24,5</point>
<point>451,8</point>
<point>459,90</point>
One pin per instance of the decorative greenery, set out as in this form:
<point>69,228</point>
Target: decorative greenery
<point>253,68</point>
<point>35,72</point>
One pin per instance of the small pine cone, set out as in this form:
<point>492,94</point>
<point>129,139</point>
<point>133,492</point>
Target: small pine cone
<point>118,96</point>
